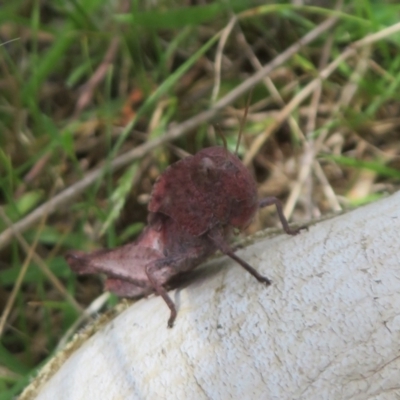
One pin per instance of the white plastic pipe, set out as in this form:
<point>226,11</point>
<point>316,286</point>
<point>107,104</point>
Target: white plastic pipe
<point>327,328</point>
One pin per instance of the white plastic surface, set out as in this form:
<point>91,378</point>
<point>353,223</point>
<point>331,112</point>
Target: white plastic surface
<point>328,327</point>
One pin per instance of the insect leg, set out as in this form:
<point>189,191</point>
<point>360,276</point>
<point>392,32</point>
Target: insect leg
<point>269,201</point>
<point>219,241</point>
<point>151,268</point>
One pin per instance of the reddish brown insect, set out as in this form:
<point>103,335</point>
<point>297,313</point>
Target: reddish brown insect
<point>194,206</point>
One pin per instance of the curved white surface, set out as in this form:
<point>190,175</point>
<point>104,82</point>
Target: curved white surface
<point>328,327</point>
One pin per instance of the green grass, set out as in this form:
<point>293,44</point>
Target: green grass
<point>49,50</point>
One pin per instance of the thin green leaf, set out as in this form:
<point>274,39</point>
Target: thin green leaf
<point>375,166</point>
<point>118,197</point>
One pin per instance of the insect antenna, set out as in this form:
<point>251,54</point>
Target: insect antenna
<point>222,136</point>
<point>243,121</point>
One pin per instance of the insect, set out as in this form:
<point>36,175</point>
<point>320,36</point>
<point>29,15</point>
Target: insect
<point>194,207</point>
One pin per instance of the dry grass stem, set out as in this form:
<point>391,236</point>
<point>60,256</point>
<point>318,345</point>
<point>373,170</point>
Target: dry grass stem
<point>313,148</point>
<point>174,132</point>
<point>218,57</point>
<point>267,82</point>
<point>38,260</point>
<point>88,89</point>
<point>21,274</point>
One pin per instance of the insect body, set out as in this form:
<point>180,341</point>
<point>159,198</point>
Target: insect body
<point>195,204</point>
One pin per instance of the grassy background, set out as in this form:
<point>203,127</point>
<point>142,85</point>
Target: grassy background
<point>82,83</point>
